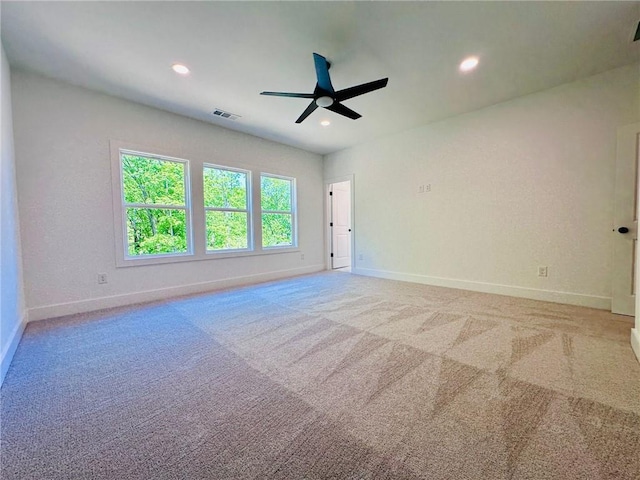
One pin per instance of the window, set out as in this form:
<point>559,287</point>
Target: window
<point>227,208</point>
<point>155,200</point>
<point>277,200</point>
<point>168,209</point>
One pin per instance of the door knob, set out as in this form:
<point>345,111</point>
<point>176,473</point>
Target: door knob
<point>623,230</point>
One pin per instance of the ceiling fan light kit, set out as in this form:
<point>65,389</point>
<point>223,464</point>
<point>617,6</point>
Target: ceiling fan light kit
<point>325,95</point>
<point>324,102</point>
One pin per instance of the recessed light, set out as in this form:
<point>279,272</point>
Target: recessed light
<point>469,64</point>
<point>179,68</point>
<point>325,123</point>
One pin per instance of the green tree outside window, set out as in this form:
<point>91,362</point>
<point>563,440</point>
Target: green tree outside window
<point>226,208</point>
<point>276,199</point>
<point>155,204</point>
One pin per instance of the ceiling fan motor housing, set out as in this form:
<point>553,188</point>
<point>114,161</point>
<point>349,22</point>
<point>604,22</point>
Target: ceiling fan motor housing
<point>324,101</point>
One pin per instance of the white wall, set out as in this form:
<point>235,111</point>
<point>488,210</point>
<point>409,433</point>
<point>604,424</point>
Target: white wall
<point>11,290</point>
<point>62,135</point>
<point>522,184</point>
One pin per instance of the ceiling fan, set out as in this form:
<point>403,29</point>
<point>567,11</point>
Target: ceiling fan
<point>324,94</point>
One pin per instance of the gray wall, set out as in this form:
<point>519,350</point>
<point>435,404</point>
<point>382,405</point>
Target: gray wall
<point>521,184</point>
<point>11,300</point>
<point>62,142</point>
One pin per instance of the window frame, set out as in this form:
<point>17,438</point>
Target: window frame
<point>123,254</point>
<point>194,198</point>
<point>293,212</point>
<point>248,210</point>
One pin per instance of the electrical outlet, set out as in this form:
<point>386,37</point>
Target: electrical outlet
<point>421,189</point>
<point>102,278</point>
<point>543,271</point>
<point>427,188</point>
<point>302,256</point>
<point>361,257</point>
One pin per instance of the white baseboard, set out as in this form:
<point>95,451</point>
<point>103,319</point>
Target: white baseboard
<point>592,301</point>
<point>635,342</point>
<point>10,348</point>
<point>70,308</point>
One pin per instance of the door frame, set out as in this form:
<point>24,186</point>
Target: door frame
<point>327,216</point>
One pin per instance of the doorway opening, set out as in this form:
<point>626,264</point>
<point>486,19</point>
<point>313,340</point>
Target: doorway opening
<point>339,209</point>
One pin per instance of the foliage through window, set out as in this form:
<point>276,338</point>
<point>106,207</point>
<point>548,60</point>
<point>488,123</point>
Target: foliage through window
<point>155,203</point>
<point>277,198</point>
<point>161,217</point>
<point>227,209</point>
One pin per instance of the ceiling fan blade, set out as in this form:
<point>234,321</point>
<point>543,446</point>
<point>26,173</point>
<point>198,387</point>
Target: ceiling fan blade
<point>312,106</point>
<point>322,73</point>
<point>351,92</point>
<point>342,110</point>
<point>287,94</point>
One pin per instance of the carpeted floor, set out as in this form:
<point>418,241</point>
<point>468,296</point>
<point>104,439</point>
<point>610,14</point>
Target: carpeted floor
<point>328,376</point>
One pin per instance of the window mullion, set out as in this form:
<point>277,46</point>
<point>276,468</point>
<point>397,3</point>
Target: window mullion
<point>155,205</point>
<point>225,209</point>
<point>284,212</point>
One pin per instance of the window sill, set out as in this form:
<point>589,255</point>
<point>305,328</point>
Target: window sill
<point>210,255</point>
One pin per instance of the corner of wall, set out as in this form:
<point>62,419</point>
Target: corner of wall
<point>11,346</point>
<point>13,315</point>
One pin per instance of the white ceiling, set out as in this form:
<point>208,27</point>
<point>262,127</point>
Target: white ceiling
<point>237,49</point>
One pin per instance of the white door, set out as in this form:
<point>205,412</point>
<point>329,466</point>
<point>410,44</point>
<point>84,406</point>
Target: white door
<point>625,229</point>
<point>340,225</point>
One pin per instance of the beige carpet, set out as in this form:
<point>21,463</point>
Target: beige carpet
<point>328,376</point>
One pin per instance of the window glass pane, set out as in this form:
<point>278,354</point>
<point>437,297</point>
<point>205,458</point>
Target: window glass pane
<point>276,229</point>
<point>225,188</point>
<point>152,181</point>
<point>152,231</point>
<point>226,230</point>
<point>275,194</point>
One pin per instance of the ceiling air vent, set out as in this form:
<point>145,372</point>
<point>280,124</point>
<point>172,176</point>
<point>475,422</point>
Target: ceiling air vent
<point>218,112</point>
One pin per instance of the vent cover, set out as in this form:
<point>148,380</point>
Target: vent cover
<point>218,112</point>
